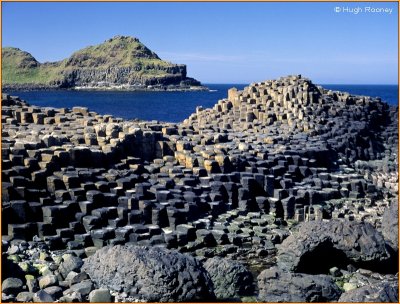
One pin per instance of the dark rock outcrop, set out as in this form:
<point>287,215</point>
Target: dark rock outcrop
<point>276,285</point>
<point>70,263</point>
<point>232,181</point>
<point>317,246</point>
<point>231,279</point>
<point>390,224</point>
<point>150,273</point>
<point>12,285</point>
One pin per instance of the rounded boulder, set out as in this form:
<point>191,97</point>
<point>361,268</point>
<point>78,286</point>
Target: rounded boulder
<point>153,274</point>
<point>231,279</point>
<point>315,247</point>
<point>277,285</point>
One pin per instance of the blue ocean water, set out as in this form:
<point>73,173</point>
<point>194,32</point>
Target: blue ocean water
<point>166,106</point>
<point>388,93</point>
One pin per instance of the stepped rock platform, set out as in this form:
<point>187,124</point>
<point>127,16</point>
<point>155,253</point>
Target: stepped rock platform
<point>270,182</point>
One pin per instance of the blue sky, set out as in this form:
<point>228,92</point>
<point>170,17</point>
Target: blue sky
<point>222,42</point>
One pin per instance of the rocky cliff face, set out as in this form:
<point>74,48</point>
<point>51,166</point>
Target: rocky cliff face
<point>118,61</point>
<point>170,75</point>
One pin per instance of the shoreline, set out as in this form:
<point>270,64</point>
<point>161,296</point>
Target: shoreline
<point>133,89</point>
<point>118,88</point>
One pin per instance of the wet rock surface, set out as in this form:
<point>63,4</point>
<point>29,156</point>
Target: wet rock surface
<point>279,165</point>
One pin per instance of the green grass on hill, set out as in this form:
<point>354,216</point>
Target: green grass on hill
<point>19,67</point>
<point>38,75</point>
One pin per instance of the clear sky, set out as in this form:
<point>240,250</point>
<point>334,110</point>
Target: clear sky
<point>223,42</point>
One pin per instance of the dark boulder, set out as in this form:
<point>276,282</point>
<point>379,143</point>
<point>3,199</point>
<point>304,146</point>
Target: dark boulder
<point>42,297</point>
<point>315,247</point>
<point>390,224</point>
<point>231,279</point>
<point>83,288</point>
<point>25,296</point>
<point>276,285</point>
<point>70,263</point>
<point>150,273</point>
<point>12,286</point>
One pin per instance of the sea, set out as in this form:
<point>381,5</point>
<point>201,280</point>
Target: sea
<point>167,106</point>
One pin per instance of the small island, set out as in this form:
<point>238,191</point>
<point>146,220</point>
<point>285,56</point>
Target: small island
<point>120,63</point>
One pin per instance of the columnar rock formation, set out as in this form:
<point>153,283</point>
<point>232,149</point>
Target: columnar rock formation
<point>230,181</point>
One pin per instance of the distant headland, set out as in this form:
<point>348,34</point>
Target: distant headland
<point>120,63</point>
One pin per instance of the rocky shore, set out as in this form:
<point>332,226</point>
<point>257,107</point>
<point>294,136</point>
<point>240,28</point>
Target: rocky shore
<point>282,192</point>
<point>143,88</point>
<point>108,87</point>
